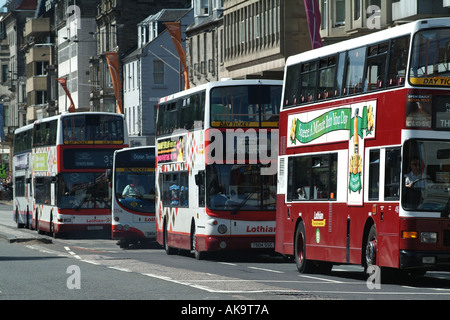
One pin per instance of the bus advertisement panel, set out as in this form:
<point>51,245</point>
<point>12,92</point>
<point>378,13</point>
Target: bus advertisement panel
<point>364,159</point>
<point>70,155</point>
<point>133,196</point>
<point>216,167</point>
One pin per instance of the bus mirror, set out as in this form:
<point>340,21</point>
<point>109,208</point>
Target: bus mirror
<point>108,175</point>
<point>199,178</point>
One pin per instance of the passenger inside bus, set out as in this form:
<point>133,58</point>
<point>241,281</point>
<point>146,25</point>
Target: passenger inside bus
<point>134,189</point>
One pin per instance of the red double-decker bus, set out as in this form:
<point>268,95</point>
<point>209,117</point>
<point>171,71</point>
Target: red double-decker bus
<point>364,161</point>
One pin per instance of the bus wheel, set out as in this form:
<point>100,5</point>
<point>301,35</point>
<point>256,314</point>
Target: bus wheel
<point>371,248</point>
<point>39,231</point>
<point>19,225</point>
<point>169,250</point>
<point>27,223</point>
<point>52,228</point>
<point>199,255</point>
<point>300,249</point>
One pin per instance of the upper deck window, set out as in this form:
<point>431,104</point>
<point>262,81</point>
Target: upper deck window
<point>245,106</point>
<point>89,129</point>
<point>430,59</point>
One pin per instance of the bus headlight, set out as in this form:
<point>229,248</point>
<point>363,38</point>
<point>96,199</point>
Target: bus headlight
<point>222,229</point>
<point>428,237</point>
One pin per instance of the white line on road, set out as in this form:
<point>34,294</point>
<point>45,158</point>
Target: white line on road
<point>72,253</point>
<point>322,279</point>
<point>268,270</point>
<point>229,264</point>
<point>120,269</point>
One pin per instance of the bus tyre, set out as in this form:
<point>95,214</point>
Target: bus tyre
<point>371,248</point>
<point>19,225</point>
<point>303,265</point>
<point>169,250</point>
<point>39,231</point>
<point>199,255</point>
<point>27,223</point>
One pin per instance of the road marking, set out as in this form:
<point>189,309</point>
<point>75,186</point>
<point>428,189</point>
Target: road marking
<point>317,278</point>
<point>268,270</point>
<point>72,253</point>
<point>229,264</point>
<point>120,269</point>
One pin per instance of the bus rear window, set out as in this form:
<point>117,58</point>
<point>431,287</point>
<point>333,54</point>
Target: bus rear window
<point>430,60</point>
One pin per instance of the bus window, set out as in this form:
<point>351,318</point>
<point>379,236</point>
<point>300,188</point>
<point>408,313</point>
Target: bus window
<point>340,74</point>
<point>299,178</point>
<point>312,178</point>
<point>374,174</point>
<point>376,67</point>
<point>430,58</point>
<point>355,70</point>
<point>327,74</point>
<point>244,106</point>
<point>175,189</point>
<point>291,90</point>
<point>99,129</point>
<point>392,174</point>
<point>397,61</point>
<point>42,187</point>
<point>44,133</point>
<point>308,82</point>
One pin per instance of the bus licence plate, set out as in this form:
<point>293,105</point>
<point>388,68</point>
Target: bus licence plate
<point>262,245</point>
<point>95,227</point>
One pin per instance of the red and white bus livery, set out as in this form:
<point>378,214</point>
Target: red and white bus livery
<point>364,159</point>
<point>133,196</point>
<point>70,155</point>
<point>214,189</point>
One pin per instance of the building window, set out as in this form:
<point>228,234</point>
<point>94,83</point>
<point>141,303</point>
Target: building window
<point>257,27</point>
<point>41,68</point>
<point>5,72</point>
<point>339,13</point>
<point>324,14</point>
<point>41,97</point>
<point>158,72</point>
<point>357,10</point>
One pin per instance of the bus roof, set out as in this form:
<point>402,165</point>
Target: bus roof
<point>24,128</point>
<point>375,37</point>
<point>71,114</point>
<point>222,83</point>
<point>134,148</point>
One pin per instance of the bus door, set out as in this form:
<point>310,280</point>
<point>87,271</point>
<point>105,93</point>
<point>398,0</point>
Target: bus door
<point>384,178</point>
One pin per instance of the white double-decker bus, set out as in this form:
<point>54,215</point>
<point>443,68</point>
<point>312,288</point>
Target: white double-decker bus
<point>70,156</point>
<point>214,185</point>
<point>22,173</point>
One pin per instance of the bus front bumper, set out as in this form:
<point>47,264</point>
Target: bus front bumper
<point>217,243</point>
<point>427,260</point>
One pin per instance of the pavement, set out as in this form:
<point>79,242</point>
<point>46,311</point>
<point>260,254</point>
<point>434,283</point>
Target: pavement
<point>10,232</point>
